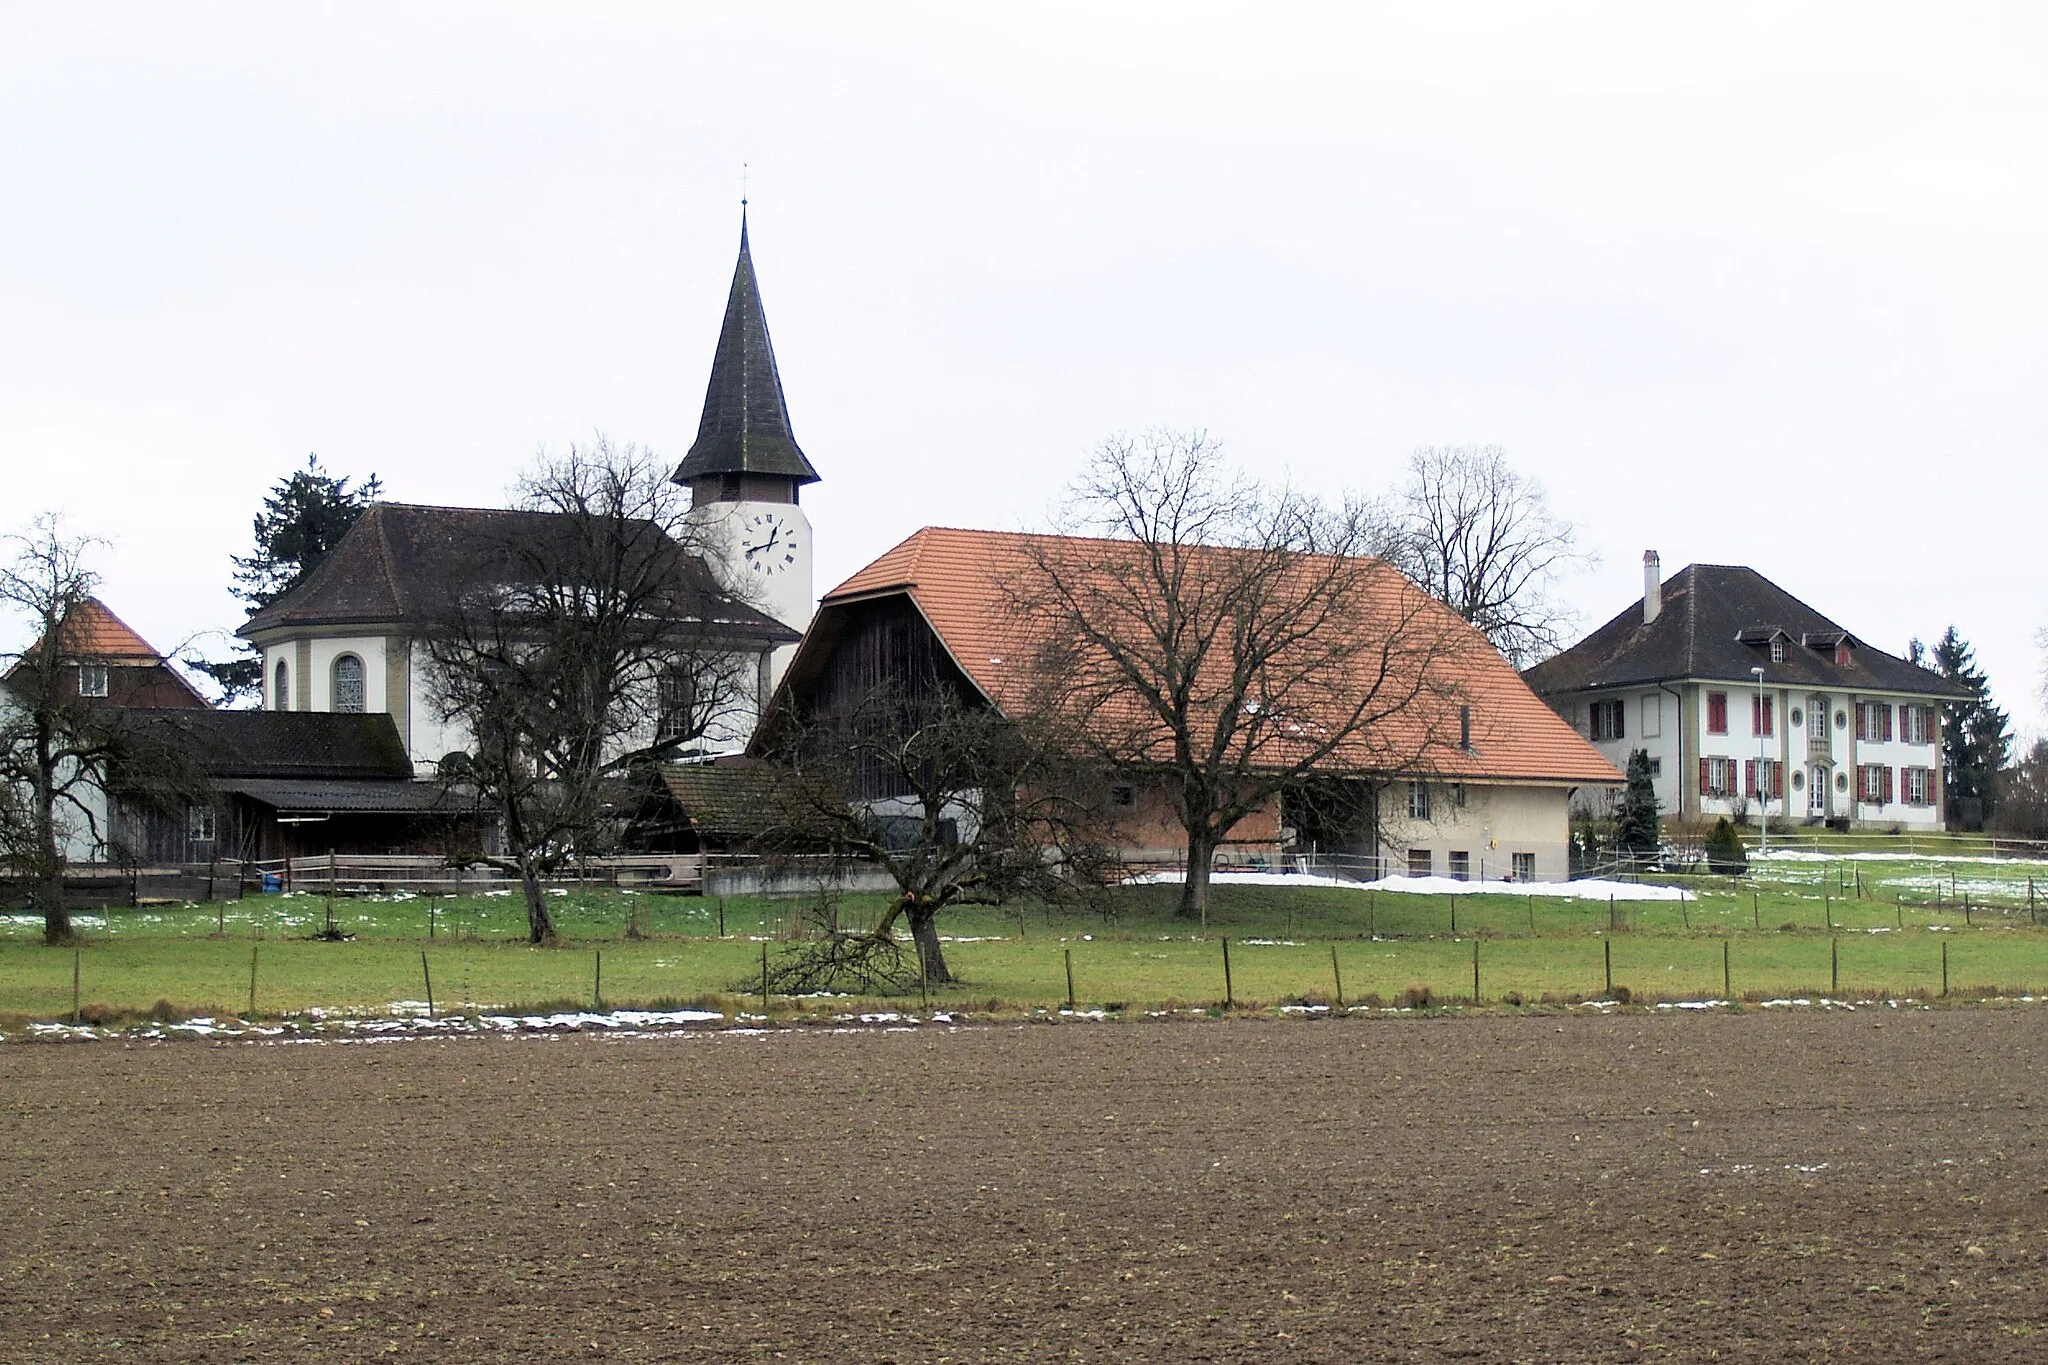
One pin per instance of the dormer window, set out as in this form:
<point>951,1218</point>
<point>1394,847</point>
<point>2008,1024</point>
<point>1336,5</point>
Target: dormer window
<point>92,680</point>
<point>1777,649</point>
<point>1842,653</point>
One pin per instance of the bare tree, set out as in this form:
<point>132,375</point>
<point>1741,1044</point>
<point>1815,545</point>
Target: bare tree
<point>959,805</point>
<point>67,753</point>
<point>579,636</point>
<point>1231,639</point>
<point>1482,538</point>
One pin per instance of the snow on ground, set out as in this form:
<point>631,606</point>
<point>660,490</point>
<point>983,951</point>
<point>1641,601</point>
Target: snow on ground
<point>1802,855</point>
<point>1591,889</point>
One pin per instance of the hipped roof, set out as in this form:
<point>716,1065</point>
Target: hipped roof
<point>958,580</point>
<point>1715,622</point>
<point>395,562</point>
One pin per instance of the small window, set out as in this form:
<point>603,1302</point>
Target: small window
<point>1419,862</point>
<point>1461,865</point>
<point>92,680</point>
<point>1798,718</point>
<point>1656,767</point>
<point>1418,800</point>
<point>1465,728</point>
<point>677,705</point>
<point>1608,720</point>
<point>1717,713</point>
<point>1760,718</point>
<point>199,824</point>
<point>348,683</point>
<point>1458,795</point>
<point>1525,867</point>
<point>281,688</point>
<point>1777,649</point>
<point>1123,797</point>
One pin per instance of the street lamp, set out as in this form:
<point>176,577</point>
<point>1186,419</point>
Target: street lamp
<point>1763,771</point>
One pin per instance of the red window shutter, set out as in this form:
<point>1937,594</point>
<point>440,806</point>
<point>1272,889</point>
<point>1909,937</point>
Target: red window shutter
<point>1890,793</point>
<point>1860,708</point>
<point>1749,776</point>
<point>1778,781</point>
<point>1887,721</point>
<point>1704,788</point>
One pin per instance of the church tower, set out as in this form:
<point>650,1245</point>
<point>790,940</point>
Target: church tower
<point>745,469</point>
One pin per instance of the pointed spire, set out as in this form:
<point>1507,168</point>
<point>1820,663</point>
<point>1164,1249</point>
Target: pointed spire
<point>745,428</point>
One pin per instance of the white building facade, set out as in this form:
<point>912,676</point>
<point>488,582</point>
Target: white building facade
<point>1751,705</point>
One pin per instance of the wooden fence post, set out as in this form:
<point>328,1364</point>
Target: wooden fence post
<point>1475,971</point>
<point>1607,944</point>
<point>252,982</point>
<point>76,954</point>
<point>1229,994</point>
<point>1070,976</point>
<point>1834,966</point>
<point>764,976</point>
<point>1336,972</point>
<point>1944,966</point>
<point>1727,979</point>
<point>597,981</point>
<point>428,973</point>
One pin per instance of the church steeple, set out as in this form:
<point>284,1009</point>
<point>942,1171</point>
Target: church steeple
<point>745,427</point>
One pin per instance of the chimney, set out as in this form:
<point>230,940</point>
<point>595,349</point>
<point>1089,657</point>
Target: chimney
<point>1653,587</point>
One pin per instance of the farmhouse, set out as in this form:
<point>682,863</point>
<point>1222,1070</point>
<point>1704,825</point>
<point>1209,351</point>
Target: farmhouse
<point>1483,789</point>
<point>1748,700</point>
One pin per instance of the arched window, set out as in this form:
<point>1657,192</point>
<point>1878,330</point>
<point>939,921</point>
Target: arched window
<point>281,688</point>
<point>348,683</point>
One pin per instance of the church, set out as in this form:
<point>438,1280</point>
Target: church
<point>350,636</point>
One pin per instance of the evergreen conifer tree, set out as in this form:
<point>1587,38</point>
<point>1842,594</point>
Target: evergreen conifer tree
<point>304,517</point>
<point>1975,735</point>
<point>1636,829</point>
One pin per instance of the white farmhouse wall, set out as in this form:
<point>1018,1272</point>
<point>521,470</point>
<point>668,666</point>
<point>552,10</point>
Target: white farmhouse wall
<point>1495,822</point>
<point>1675,732</point>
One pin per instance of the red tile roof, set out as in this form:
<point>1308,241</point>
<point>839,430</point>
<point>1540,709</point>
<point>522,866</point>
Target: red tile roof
<point>91,631</point>
<point>960,579</point>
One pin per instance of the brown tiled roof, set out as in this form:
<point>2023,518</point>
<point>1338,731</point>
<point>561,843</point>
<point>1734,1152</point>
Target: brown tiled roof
<point>283,745</point>
<point>138,674</point>
<point>958,578</point>
<point>390,566</point>
<point>90,630</point>
<point>1715,622</point>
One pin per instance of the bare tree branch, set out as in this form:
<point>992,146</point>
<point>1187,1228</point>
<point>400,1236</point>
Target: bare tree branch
<point>1481,537</point>
<point>1231,639</point>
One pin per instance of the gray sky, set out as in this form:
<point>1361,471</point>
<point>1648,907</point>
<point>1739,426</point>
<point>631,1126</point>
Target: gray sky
<point>1750,284</point>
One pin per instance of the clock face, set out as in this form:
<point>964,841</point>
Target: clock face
<point>768,540</point>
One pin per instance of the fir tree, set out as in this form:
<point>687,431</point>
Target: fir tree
<point>1636,824</point>
<point>1975,735</point>
<point>304,517</point>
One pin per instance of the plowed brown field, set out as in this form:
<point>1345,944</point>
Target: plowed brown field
<point>1868,1186</point>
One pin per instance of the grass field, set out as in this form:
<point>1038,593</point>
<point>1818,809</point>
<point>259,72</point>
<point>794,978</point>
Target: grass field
<point>1801,924</point>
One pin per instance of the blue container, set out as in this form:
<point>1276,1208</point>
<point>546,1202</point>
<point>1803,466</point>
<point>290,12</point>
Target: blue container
<point>272,883</point>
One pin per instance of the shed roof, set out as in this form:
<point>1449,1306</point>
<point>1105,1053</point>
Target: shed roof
<point>1716,622</point>
<point>960,581</point>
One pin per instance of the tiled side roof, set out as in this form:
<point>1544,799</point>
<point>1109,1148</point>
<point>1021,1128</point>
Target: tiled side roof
<point>388,567</point>
<point>1716,622</point>
<point>91,631</point>
<point>957,579</point>
<point>283,744</point>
